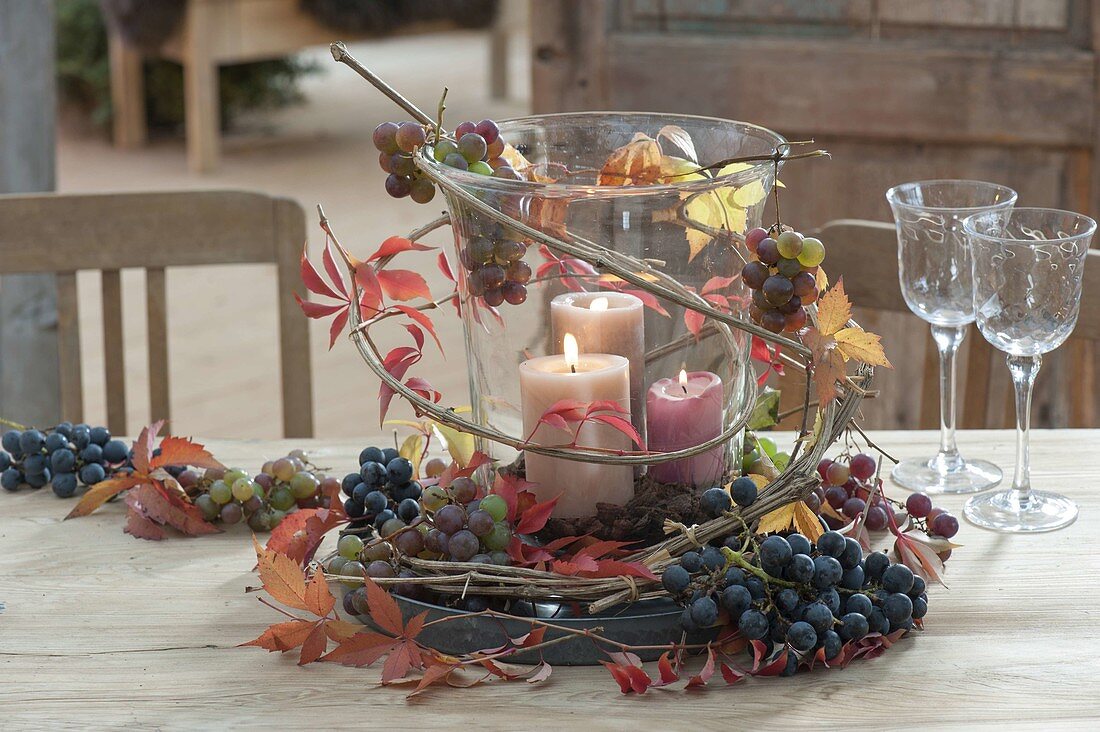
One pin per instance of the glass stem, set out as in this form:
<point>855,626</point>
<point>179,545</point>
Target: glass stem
<point>948,339</point>
<point>1023,370</point>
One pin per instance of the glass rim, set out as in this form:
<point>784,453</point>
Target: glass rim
<point>893,191</point>
<point>475,180</point>
<point>969,227</point>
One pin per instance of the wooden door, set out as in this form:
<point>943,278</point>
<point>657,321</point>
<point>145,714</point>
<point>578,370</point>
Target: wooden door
<point>896,90</point>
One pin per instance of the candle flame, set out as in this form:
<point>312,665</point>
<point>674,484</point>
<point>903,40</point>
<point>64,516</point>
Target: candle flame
<point>572,352</point>
<point>599,304</point>
<point>684,380</point>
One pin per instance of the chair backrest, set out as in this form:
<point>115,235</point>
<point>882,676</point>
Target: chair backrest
<point>64,234</point>
<point>865,253</point>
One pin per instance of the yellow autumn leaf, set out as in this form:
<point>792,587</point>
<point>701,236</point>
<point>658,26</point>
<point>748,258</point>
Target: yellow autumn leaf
<point>863,346</point>
<point>636,163</point>
<point>460,445</point>
<point>806,521</point>
<point>821,280</point>
<point>778,520</point>
<point>833,310</point>
<point>761,481</point>
<point>749,194</point>
<point>412,449</point>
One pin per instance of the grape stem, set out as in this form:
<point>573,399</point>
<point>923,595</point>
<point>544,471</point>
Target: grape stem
<point>739,559</point>
<point>340,54</point>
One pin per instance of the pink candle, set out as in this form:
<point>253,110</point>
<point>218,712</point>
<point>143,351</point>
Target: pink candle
<point>681,413</point>
<point>587,378</point>
<point>606,322</point>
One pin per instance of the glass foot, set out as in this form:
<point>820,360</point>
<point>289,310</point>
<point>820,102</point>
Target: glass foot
<point>971,476</point>
<point>1003,511</point>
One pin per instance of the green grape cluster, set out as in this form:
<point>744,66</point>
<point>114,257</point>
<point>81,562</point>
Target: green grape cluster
<point>263,500</point>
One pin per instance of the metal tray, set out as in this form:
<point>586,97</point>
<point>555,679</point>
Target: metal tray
<point>647,622</point>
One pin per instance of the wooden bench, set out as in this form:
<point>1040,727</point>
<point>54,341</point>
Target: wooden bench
<point>216,32</point>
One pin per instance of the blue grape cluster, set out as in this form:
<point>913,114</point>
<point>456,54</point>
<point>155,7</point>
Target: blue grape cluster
<point>64,457</point>
<point>794,594</point>
<point>384,493</point>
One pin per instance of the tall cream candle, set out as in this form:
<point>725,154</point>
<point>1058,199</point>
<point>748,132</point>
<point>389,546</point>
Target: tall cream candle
<point>586,377</point>
<point>607,322</point>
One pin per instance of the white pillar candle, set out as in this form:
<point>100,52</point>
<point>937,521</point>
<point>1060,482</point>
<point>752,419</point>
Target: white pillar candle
<point>606,322</point>
<point>587,378</point>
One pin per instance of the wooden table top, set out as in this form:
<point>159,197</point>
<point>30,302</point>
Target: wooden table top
<point>98,629</point>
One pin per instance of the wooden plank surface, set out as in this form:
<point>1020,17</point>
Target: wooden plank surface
<point>101,630</point>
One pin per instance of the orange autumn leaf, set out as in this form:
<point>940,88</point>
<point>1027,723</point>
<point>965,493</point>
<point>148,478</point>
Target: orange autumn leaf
<point>282,578</point>
<point>318,597</point>
<point>384,610</point>
<point>636,163</point>
<point>833,341</point>
<point>101,492</point>
<point>284,636</point>
<point>314,646</point>
<point>795,516</point>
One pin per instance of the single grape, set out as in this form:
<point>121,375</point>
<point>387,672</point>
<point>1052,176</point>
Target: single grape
<point>754,274</point>
<point>832,644</point>
<point>813,502</point>
<point>837,474</point>
<point>210,509</point>
<point>64,485</point>
<point>499,538</point>
<point>463,489</point>
<point>897,608</point>
<point>804,285</point>
<point>799,544</point>
<point>514,293</point>
<point>375,502</point>
<point>853,507</point>
<point>877,519</point>
<point>220,492</point>
<point>421,190</point>
<point>399,471</point>
<point>495,506</point>
<point>480,523</point>
<point>402,165</point>
<point>776,550</point>
<point>795,321</point>
<point>768,251</point>
<point>704,612</point>
<point>434,498</point>
<point>31,442</point>
<point>753,237</point>
<point>777,289</point>
<point>463,545</point>
<point>827,572</point>
<point>304,484</point>
<point>91,454</point>
<point>818,616</point>
<point>408,510</point>
<point>373,474</point>
<point>875,565</point>
<point>862,466</point>
<point>434,467</point>
<point>788,268</point>
<point>91,474</point>
<point>349,546</point>
<point>715,501</point>
<point>755,586</point>
<point>455,160</point>
<point>802,636</point>
<point>920,608</point>
<point>63,461</point>
<point>494,152</point>
<point>712,558</point>
<point>410,136</point>
<point>488,130</point>
<point>831,543</point>
<point>385,137</point>
<point>945,525</point>
<point>398,186</point>
<point>786,600</point>
<point>464,128</point>
<point>449,519</point>
<point>283,470</point>
<point>281,498</point>
<point>789,244</point>
<point>754,624</point>
<point>919,587</point>
<point>812,253</point>
<point>773,320</point>
<point>444,148</point>
<point>410,543</point>
<point>791,306</point>
<point>481,168</point>
<point>897,578</point>
<point>743,491</point>
<point>918,505</point>
<point>231,513</point>
<point>472,147</point>
<point>736,599</point>
<point>852,554</point>
<point>675,579</point>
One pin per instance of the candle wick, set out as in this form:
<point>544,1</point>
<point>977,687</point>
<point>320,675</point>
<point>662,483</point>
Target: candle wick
<point>572,368</point>
<point>684,387</point>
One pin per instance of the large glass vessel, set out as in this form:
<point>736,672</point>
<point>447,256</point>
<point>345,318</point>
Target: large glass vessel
<point>678,221</point>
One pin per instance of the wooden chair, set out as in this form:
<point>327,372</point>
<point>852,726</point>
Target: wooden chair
<point>865,253</point>
<point>63,234</point>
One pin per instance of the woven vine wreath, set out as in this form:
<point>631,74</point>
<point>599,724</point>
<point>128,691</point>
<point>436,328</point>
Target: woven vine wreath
<point>792,484</point>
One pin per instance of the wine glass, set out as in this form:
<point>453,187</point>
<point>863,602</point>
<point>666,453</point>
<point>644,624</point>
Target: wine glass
<point>935,274</point>
<point>1027,293</point>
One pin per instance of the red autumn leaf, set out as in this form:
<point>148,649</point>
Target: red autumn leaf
<point>630,678</point>
<point>620,424</point>
<point>574,566</point>
<point>445,267</point>
<point>598,548</point>
<point>362,649</point>
<point>316,284</point>
<point>619,674</point>
<point>694,321</point>
<point>773,667</point>
<point>617,568</point>
<point>397,362</point>
<point>143,447</point>
<point>730,674</point>
<point>542,673</point>
<point>299,535</point>
<point>404,284</point>
<point>182,451</point>
<point>317,310</point>
<point>315,645</point>
<point>395,245</point>
<point>705,673</point>
<point>370,290</point>
<point>333,271</point>
<point>284,636</point>
<point>384,611</point>
<point>433,673</point>
<point>668,674</point>
<point>534,519</point>
<point>401,660</point>
<point>760,351</point>
<point>169,507</point>
<point>138,526</point>
<point>530,639</point>
<point>919,557</point>
<point>424,389</point>
<point>423,319</point>
<point>649,300</point>
<point>714,284</point>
